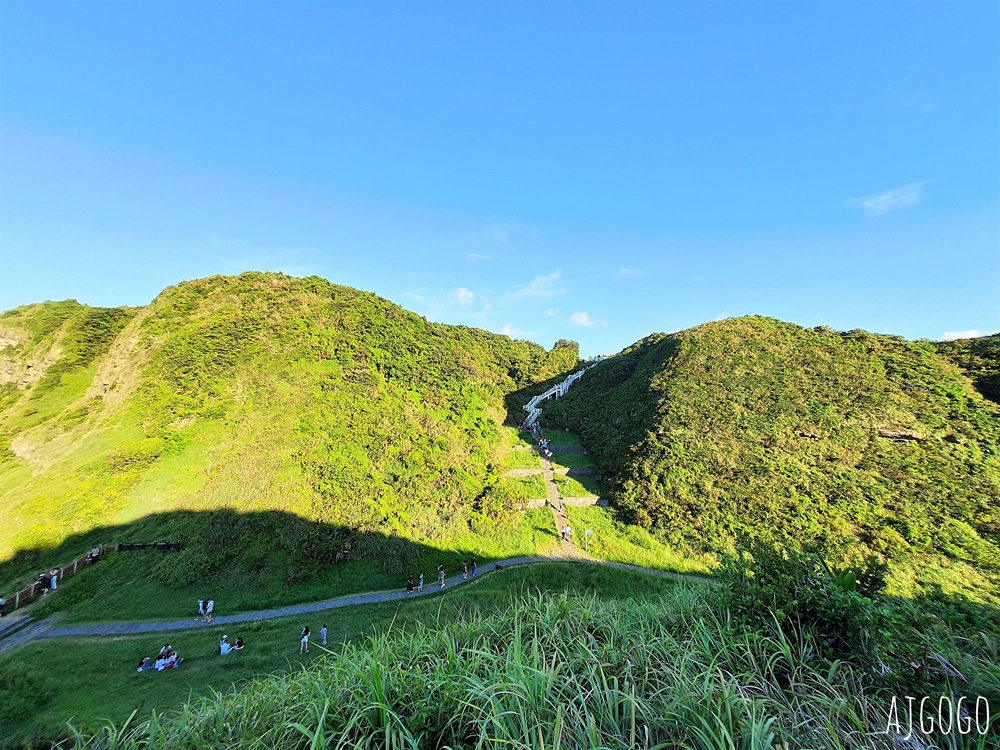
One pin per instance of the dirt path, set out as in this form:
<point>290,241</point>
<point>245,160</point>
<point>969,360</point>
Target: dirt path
<point>568,549</point>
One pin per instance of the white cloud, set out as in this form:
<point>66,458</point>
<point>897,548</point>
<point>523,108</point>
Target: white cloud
<point>540,286</point>
<point>955,335</point>
<point>624,273</point>
<point>440,303</point>
<point>891,200</point>
<point>698,279</point>
<point>550,312</point>
<point>463,296</point>
<point>509,330</point>
<point>478,256</point>
<point>584,319</point>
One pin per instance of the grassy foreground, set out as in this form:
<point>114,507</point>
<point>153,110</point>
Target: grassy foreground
<point>559,671</point>
<point>49,682</point>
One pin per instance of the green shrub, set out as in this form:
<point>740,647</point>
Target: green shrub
<point>863,443</point>
<point>771,586</point>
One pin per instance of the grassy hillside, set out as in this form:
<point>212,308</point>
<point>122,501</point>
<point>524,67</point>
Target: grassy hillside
<point>559,665</point>
<point>979,358</point>
<point>233,396</point>
<point>856,443</point>
<point>46,682</point>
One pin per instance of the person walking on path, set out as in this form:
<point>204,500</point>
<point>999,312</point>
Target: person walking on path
<point>441,576</point>
<point>465,570</point>
<point>420,582</point>
<point>3,602</point>
<point>54,576</point>
<point>209,608</point>
<point>473,565</point>
<point>304,640</point>
<point>409,584</point>
<point>322,635</point>
<point>201,610</point>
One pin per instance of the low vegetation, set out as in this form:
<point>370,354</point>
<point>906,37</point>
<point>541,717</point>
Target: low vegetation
<point>854,443</point>
<point>304,440</point>
<point>578,486</point>
<point>572,460</point>
<point>46,682</point>
<point>615,541</point>
<point>978,358</point>
<point>571,670</point>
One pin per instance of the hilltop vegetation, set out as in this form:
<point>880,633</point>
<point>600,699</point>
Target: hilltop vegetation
<point>852,443</point>
<point>231,396</point>
<point>979,358</point>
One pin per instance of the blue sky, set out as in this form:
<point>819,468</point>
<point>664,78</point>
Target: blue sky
<point>596,171</point>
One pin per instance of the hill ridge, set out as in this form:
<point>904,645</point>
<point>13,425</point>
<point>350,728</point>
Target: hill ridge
<point>756,426</point>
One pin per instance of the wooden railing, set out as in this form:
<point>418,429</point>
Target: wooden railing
<point>24,596</point>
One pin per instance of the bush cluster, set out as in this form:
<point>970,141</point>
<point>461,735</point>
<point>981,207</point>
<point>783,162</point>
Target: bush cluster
<point>866,444</point>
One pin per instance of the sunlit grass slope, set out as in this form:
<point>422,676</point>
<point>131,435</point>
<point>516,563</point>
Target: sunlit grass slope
<point>857,443</point>
<point>979,358</point>
<point>251,394</point>
<point>561,671</point>
<point>45,683</point>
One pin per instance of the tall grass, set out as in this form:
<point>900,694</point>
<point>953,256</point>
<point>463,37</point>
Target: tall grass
<point>545,672</point>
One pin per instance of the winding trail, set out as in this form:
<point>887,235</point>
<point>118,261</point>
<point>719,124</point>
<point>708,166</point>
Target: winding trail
<point>51,629</point>
<point>568,552</point>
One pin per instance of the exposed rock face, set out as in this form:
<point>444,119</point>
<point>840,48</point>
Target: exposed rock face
<point>20,367</point>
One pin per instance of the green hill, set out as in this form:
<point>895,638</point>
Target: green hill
<point>230,402</point>
<point>304,440</point>
<point>979,358</point>
<point>856,443</point>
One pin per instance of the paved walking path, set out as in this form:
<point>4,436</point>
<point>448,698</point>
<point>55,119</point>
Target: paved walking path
<point>51,629</point>
<point>35,630</point>
<point>555,502</point>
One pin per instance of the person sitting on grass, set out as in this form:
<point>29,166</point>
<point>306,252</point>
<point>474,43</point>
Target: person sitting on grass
<point>239,644</point>
<point>224,645</point>
<point>144,664</point>
<point>168,660</point>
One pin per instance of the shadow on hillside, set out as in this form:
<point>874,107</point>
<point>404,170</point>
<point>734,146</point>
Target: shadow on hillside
<point>515,400</point>
<point>250,560</point>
